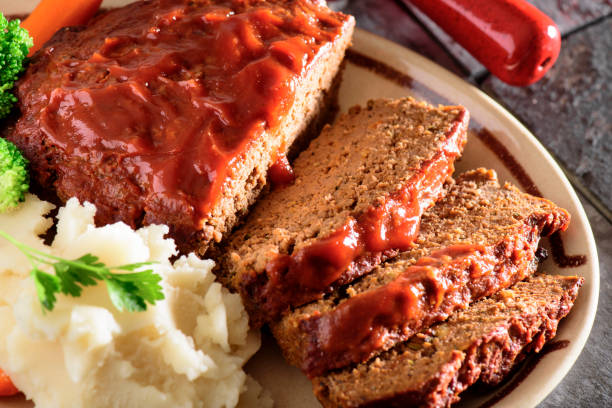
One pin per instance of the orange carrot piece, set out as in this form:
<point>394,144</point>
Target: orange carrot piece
<point>51,15</point>
<point>6,385</point>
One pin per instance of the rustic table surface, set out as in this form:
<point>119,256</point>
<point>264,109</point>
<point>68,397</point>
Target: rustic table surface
<point>577,92</point>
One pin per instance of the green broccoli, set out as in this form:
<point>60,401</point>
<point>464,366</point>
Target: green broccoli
<point>14,177</point>
<point>15,43</point>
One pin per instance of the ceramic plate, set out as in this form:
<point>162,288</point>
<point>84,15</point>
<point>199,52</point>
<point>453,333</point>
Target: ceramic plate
<point>379,68</point>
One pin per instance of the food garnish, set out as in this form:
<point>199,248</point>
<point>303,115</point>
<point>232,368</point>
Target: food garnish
<point>51,15</point>
<point>128,291</point>
<point>14,176</point>
<point>7,388</point>
<point>14,46</point>
<point>18,40</point>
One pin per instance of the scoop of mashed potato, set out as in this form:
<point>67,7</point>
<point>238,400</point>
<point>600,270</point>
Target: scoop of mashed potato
<point>186,351</point>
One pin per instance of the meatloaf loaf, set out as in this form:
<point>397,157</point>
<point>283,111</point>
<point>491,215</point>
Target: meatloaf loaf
<point>482,343</point>
<point>360,189</point>
<point>172,111</point>
<point>479,239</point>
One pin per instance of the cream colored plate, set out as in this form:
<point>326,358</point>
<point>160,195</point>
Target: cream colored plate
<point>288,386</point>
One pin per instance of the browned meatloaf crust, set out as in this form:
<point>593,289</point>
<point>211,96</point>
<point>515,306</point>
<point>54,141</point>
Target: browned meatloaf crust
<point>482,343</point>
<point>360,189</point>
<point>172,111</point>
<point>479,239</point>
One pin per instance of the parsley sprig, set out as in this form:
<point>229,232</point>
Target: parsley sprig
<point>128,291</point>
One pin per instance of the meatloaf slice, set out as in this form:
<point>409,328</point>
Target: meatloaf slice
<point>479,239</point>
<point>172,111</point>
<point>482,342</point>
<point>360,189</point>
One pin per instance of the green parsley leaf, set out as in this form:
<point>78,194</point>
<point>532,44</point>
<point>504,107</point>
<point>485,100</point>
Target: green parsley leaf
<point>128,291</point>
<point>123,295</point>
<point>47,286</point>
<point>132,267</point>
<point>146,284</point>
<point>131,290</point>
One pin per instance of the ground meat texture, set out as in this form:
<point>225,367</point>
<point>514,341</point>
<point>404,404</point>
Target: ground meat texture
<point>359,192</point>
<point>483,342</point>
<point>479,239</point>
<point>171,111</point>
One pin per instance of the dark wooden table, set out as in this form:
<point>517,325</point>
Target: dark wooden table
<point>570,112</point>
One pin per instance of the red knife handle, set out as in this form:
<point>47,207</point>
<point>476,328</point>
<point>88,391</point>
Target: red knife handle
<point>513,39</point>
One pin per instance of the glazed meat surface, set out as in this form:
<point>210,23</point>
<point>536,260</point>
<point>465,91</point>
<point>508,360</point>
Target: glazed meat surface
<point>171,111</point>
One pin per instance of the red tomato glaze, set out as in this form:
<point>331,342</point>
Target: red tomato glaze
<point>165,97</point>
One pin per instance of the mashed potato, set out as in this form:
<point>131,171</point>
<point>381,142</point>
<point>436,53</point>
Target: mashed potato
<point>186,351</point>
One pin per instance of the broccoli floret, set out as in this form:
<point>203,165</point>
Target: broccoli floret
<point>15,42</point>
<point>14,176</point>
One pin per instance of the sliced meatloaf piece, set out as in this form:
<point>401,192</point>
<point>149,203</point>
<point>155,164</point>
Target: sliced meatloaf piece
<point>172,111</point>
<point>479,239</point>
<point>360,189</point>
<point>482,343</point>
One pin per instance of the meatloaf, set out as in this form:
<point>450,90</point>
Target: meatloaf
<point>482,343</point>
<point>360,189</point>
<point>172,111</point>
<point>479,239</point>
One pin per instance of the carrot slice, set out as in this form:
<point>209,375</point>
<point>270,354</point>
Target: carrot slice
<point>7,387</point>
<point>51,15</point>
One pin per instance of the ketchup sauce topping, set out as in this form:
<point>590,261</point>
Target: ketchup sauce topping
<point>281,173</point>
<point>174,92</point>
<point>358,245</point>
<point>560,256</point>
<point>424,293</point>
